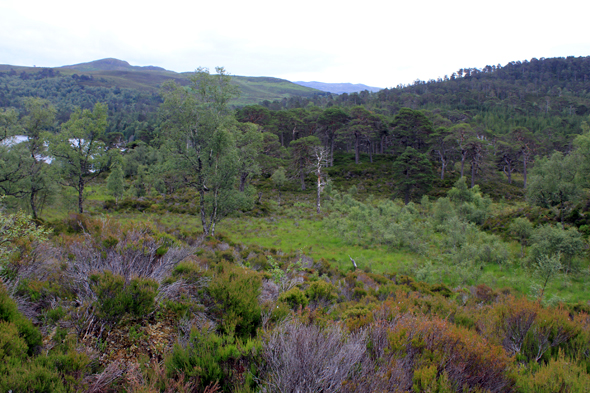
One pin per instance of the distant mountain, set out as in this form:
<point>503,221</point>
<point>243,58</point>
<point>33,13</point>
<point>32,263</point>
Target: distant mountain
<point>110,64</point>
<point>113,73</point>
<point>339,88</point>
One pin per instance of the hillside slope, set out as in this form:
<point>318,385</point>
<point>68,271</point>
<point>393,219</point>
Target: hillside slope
<point>113,73</point>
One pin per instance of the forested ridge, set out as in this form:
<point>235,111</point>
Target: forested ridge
<point>425,238</point>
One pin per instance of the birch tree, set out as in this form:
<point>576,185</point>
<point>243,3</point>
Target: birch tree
<point>199,131</point>
<point>79,152</point>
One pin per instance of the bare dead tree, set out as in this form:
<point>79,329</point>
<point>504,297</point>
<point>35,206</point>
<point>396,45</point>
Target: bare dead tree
<point>320,157</point>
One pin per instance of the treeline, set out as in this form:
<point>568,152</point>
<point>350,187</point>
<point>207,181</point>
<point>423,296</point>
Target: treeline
<point>555,86</point>
<point>417,147</point>
<point>548,96</point>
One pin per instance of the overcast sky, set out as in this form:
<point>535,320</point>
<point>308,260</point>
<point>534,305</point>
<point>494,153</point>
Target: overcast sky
<point>378,43</point>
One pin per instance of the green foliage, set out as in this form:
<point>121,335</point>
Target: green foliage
<point>321,291</point>
<point>80,155</point>
<point>15,320</point>
<point>428,379</point>
<point>302,157</point>
<point>116,298</point>
<point>557,375</point>
<point>115,183</point>
<point>39,181</point>
<point>294,297</point>
<point>201,141</point>
<point>522,229</point>
<point>235,291</point>
<point>249,141</point>
<point>546,268</point>
<point>23,370</point>
<point>550,240</point>
<point>13,228</point>
<point>553,182</point>
<point>209,358</point>
<point>139,184</point>
<point>413,173</point>
<point>443,210</point>
<point>582,143</point>
<point>469,203</point>
<point>279,179</point>
<point>8,123</point>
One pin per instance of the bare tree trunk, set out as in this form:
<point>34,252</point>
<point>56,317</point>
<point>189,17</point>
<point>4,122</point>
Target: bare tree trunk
<point>243,178</point>
<point>462,163</point>
<point>81,195</point>
<point>321,156</point>
<point>213,218</point>
<point>33,205</point>
<point>302,177</point>
<point>443,164</point>
<point>202,206</point>
<point>318,208</point>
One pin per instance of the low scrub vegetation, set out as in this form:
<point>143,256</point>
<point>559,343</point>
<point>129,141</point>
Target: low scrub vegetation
<point>107,306</point>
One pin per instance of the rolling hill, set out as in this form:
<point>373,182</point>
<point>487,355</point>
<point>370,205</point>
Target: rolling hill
<point>114,73</point>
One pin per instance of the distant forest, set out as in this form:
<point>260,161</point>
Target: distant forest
<point>548,96</point>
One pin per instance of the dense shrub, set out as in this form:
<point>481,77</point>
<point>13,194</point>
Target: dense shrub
<point>321,291</point>
<point>294,297</point>
<point>558,375</point>
<point>9,313</point>
<point>235,291</point>
<point>117,298</point>
<point>469,361</point>
<point>210,358</point>
<point>551,240</point>
<point>22,370</point>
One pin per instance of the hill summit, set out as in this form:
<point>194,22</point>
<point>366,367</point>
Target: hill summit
<point>111,64</point>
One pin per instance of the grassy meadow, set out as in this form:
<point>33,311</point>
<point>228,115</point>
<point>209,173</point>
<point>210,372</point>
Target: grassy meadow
<point>294,228</point>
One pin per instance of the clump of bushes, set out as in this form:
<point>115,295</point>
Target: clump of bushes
<point>117,298</point>
<point>294,297</point>
<point>22,368</point>
<point>234,291</point>
<point>208,358</point>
